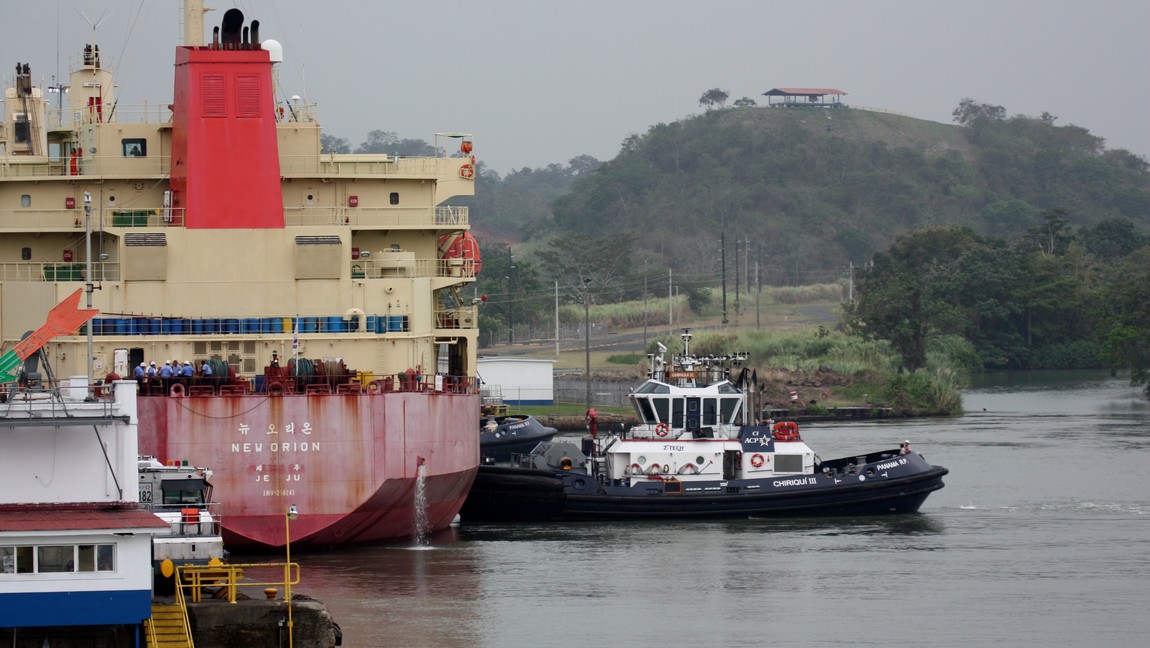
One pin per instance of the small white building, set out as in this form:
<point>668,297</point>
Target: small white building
<point>519,381</point>
<point>75,548</point>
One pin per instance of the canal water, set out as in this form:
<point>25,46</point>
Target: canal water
<point>1040,538</point>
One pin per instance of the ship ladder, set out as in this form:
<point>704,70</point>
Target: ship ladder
<point>168,627</point>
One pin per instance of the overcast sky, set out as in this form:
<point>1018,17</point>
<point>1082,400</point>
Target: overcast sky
<point>542,81</point>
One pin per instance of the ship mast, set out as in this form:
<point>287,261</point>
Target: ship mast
<point>194,11</point>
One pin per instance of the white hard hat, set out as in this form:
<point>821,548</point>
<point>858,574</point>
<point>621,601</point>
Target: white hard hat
<point>143,364</point>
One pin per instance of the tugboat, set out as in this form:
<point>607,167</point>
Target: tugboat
<point>697,452</point>
<point>181,496</point>
<point>500,437</point>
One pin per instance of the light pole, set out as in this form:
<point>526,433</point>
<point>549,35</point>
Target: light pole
<point>88,280</point>
<point>292,514</point>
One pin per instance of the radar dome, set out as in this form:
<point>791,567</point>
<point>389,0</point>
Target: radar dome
<point>275,50</point>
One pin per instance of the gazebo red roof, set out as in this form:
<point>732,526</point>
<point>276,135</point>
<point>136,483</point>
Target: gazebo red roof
<point>784,92</point>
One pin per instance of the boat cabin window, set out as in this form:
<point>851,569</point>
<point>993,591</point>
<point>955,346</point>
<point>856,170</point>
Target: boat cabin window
<point>710,411</point>
<point>730,409</point>
<point>677,413</point>
<point>25,200</point>
<point>662,410</point>
<point>652,387</point>
<point>788,463</point>
<point>394,198</point>
<point>183,491</point>
<point>134,146</point>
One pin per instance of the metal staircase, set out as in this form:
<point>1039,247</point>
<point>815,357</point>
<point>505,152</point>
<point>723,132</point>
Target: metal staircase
<point>168,627</point>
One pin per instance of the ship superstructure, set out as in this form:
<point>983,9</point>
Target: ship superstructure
<point>317,298</point>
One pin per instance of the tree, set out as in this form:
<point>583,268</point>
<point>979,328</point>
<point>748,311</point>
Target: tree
<point>714,98</point>
<point>387,142</point>
<point>1053,234</point>
<point>745,102</point>
<point>971,113</point>
<point>332,144</point>
<point>1113,238</point>
<point>1124,319</point>
<point>907,295</point>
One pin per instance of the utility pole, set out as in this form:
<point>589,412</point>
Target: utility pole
<point>723,257</point>
<point>758,297</point>
<point>511,298</point>
<point>670,301</point>
<point>587,338</point>
<point>736,279</point>
<point>644,305</point>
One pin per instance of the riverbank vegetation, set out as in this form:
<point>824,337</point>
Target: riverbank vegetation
<point>1021,238</point>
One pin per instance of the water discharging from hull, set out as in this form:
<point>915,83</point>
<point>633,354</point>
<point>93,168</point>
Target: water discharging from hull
<point>419,505</point>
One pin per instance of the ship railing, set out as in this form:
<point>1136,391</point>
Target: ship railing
<point>121,113</point>
<point>370,165</point>
<point>36,399</point>
<point>57,271</point>
<point>362,383</point>
<point>384,217</point>
<point>73,219</point>
<point>88,167</point>
<point>404,265</point>
<point>186,524</point>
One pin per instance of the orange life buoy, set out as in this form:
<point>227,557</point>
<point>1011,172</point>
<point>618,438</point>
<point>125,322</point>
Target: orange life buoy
<point>177,390</point>
<point>786,431</point>
<point>467,171</point>
<point>757,460</point>
<point>662,429</point>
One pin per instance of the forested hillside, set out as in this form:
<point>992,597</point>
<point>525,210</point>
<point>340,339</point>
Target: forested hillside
<point>815,189</point>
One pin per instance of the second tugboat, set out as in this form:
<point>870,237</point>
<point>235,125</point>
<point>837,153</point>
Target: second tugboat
<point>697,452</point>
<point>500,437</point>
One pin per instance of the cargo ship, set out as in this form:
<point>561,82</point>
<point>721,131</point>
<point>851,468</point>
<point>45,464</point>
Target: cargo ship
<point>309,307</point>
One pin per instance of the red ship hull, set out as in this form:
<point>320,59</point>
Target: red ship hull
<point>349,463</point>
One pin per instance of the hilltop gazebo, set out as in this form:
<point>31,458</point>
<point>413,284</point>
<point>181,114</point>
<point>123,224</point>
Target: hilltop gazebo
<point>805,97</point>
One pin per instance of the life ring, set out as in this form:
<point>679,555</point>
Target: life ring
<point>177,390</point>
<point>373,386</point>
<point>466,171</point>
<point>757,460</point>
<point>786,431</point>
<point>662,429</point>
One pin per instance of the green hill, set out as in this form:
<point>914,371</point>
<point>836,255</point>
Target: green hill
<point>810,190</point>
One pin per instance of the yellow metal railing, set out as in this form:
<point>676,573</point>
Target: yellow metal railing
<point>183,604</point>
<point>196,578</point>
